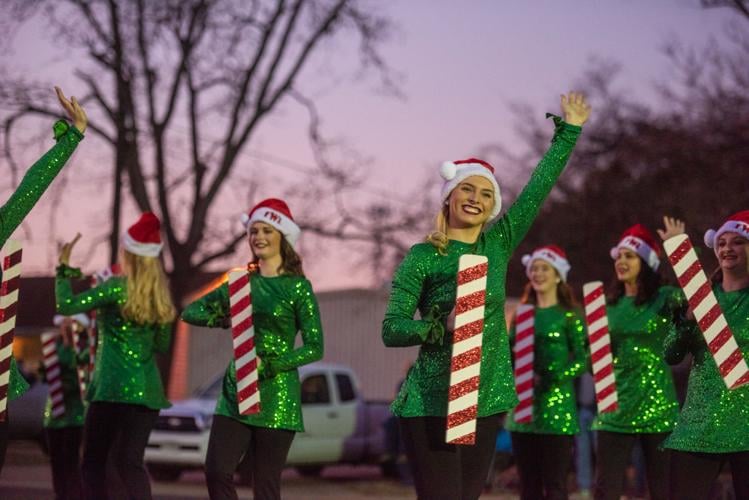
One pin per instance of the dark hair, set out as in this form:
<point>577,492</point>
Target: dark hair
<point>291,262</point>
<point>565,297</point>
<point>648,283</point>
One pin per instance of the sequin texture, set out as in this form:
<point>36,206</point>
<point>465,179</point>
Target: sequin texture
<point>125,370</point>
<point>559,356</point>
<point>281,306</point>
<point>713,419</point>
<point>645,386</point>
<point>34,183</point>
<point>426,281</point>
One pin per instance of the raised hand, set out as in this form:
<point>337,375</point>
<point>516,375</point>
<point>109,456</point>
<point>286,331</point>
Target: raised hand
<point>575,108</point>
<point>671,227</point>
<point>74,110</point>
<point>66,249</point>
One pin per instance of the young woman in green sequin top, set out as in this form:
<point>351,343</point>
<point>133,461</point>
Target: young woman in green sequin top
<point>134,314</point>
<point>37,179</point>
<point>641,313</point>
<point>713,427</point>
<point>426,281</point>
<point>283,304</point>
<point>543,446</point>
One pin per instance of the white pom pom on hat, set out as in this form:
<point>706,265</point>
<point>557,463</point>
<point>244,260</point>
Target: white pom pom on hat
<point>448,170</point>
<point>710,237</point>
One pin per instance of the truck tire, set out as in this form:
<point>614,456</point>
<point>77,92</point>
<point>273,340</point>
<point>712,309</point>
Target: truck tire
<point>309,470</point>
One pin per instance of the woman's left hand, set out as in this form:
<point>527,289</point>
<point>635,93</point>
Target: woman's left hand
<point>66,250</point>
<point>575,108</point>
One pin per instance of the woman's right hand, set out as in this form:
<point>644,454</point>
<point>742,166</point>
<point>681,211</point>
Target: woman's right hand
<point>66,249</point>
<point>671,227</point>
<point>74,110</point>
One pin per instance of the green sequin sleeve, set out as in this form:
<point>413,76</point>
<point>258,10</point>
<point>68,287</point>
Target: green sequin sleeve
<point>308,323</point>
<point>211,310</point>
<point>578,362</point>
<point>36,181</point>
<point>163,338</point>
<point>520,216</point>
<point>108,293</point>
<point>400,329</point>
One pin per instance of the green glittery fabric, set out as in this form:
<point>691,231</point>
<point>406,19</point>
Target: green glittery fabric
<point>34,183</point>
<point>559,355</point>
<point>713,419</point>
<point>282,306</point>
<point>74,407</point>
<point>644,384</point>
<point>426,279</point>
<point>125,370</point>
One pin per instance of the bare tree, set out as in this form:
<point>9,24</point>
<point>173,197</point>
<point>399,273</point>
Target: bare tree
<point>180,87</point>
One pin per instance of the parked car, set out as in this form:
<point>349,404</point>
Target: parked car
<point>340,427</point>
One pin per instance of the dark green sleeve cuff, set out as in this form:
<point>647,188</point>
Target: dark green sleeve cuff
<point>562,128</point>
<point>61,127</point>
<point>64,271</point>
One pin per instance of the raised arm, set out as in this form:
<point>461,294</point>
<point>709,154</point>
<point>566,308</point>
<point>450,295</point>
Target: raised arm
<point>517,221</point>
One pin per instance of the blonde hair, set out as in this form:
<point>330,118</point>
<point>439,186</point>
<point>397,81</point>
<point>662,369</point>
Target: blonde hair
<point>438,237</point>
<point>148,298</point>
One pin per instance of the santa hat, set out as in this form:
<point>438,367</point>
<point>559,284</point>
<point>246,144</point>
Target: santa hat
<point>641,241</point>
<point>455,172</point>
<point>737,223</point>
<point>276,213</point>
<point>555,256</point>
<point>144,237</point>
<point>81,318</point>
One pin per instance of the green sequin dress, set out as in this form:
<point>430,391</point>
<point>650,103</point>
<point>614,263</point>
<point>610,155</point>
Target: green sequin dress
<point>37,179</point>
<point>644,384</point>
<point>75,409</point>
<point>426,281</point>
<point>282,306</point>
<point>559,355</point>
<point>713,419</point>
<point>125,370</point>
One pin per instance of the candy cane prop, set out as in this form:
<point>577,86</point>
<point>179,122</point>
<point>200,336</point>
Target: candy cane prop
<point>523,349</point>
<point>243,332</point>
<point>52,372</point>
<point>600,347</point>
<point>465,367</point>
<point>8,307</point>
<point>720,340</point>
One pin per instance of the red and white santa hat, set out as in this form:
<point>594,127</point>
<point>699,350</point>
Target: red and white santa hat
<point>81,318</point>
<point>641,241</point>
<point>276,213</point>
<point>455,172</point>
<point>552,254</point>
<point>144,237</point>
<point>737,223</point>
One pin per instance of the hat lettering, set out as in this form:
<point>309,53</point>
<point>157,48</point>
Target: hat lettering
<point>272,216</point>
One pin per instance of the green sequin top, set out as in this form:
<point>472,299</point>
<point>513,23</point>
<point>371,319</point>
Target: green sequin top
<point>34,183</point>
<point>426,281</point>
<point>281,307</point>
<point>713,419</point>
<point>75,410</point>
<point>644,384</point>
<point>125,369</point>
<point>559,355</point>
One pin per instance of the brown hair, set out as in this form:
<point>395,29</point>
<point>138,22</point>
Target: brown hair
<point>291,262</point>
<point>648,283</point>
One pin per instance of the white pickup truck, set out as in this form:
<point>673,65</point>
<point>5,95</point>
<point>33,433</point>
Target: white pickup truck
<point>339,426</point>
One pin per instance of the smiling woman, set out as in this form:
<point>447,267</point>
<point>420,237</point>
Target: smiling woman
<point>426,281</point>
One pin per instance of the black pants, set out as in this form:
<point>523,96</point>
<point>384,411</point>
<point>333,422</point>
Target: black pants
<point>123,430</point>
<point>693,474</point>
<point>445,471</point>
<point>229,441</point>
<point>3,441</point>
<point>64,446</point>
<point>613,452</point>
<point>543,461</point>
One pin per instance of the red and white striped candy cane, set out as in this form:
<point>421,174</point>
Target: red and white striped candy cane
<point>11,262</point>
<point>243,332</point>
<point>52,372</point>
<point>465,366</point>
<point>600,347</point>
<point>720,340</point>
<point>523,349</point>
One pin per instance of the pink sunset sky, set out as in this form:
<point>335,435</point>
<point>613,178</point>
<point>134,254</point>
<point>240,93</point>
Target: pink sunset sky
<point>462,64</point>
